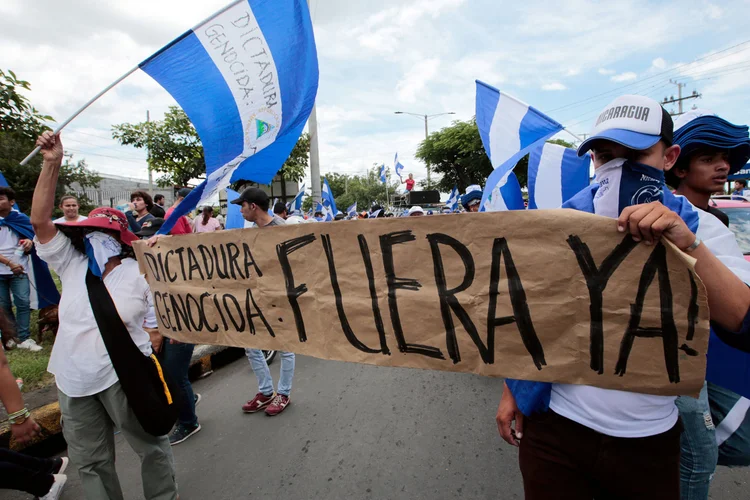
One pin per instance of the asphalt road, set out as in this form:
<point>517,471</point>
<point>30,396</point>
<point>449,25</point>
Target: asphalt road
<point>354,432</point>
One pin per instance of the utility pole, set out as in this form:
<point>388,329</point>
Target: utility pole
<point>312,127</point>
<point>426,135</point>
<point>148,155</point>
<point>672,100</point>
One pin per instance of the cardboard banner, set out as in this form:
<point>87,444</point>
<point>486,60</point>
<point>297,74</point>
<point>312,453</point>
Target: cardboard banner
<point>547,295</point>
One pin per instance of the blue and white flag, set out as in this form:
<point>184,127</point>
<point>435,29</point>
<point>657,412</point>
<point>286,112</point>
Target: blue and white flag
<point>506,195</point>
<point>4,183</point>
<point>235,220</point>
<point>247,79</point>
<point>329,203</point>
<point>296,203</point>
<point>382,174</point>
<point>352,210</point>
<point>397,167</point>
<point>509,130</point>
<point>454,199</point>
<point>374,214</point>
<point>556,174</point>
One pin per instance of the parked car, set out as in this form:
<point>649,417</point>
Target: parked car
<point>738,210</point>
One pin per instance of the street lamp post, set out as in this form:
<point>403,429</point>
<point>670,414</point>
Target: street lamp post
<point>426,134</point>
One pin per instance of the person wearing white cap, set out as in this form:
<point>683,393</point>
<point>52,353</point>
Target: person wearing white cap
<point>416,211</point>
<point>579,441</point>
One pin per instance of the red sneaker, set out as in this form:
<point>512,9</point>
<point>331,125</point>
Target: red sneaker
<point>277,405</point>
<point>256,404</point>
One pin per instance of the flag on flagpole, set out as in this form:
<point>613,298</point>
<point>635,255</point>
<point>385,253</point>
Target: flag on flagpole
<point>506,195</point>
<point>247,79</point>
<point>556,174</point>
<point>329,203</point>
<point>382,174</point>
<point>296,203</point>
<point>235,220</point>
<point>454,199</point>
<point>352,210</point>
<point>327,214</point>
<point>397,167</point>
<point>509,130</point>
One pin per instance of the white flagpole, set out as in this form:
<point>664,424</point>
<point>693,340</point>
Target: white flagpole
<point>66,122</point>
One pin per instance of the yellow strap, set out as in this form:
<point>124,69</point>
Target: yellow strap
<point>161,376</point>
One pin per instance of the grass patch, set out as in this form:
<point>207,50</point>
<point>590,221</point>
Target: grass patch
<point>32,366</point>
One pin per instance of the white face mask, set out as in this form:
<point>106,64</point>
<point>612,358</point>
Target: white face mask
<point>100,247</point>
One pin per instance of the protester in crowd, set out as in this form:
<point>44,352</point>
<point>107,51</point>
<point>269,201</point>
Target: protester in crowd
<point>416,211</point>
<point>158,209</point>
<point>176,357</point>
<point>587,442</point>
<point>183,225</point>
<point>221,219</point>
<point>254,203</point>
<point>280,209</point>
<point>14,262</point>
<point>409,183</point>
<point>69,206</point>
<point>206,223</point>
<point>339,216</point>
<point>709,153</point>
<point>472,198</point>
<point>740,186</point>
<point>92,401</point>
<point>139,210</point>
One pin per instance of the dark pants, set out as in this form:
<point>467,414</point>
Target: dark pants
<point>25,473</point>
<point>561,459</point>
<point>176,360</point>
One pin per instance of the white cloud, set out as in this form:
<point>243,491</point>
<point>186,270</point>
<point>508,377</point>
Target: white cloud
<point>554,86</point>
<point>606,72</point>
<point>416,80</point>
<point>624,77</point>
<point>659,63</point>
<point>573,72</point>
<point>714,11</point>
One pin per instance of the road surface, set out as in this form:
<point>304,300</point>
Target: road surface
<point>351,432</point>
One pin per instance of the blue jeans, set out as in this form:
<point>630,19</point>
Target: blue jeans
<point>18,285</point>
<point>176,358</point>
<point>263,374</point>
<point>699,452</point>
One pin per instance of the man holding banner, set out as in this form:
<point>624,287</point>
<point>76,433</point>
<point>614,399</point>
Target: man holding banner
<point>254,203</point>
<point>579,441</point>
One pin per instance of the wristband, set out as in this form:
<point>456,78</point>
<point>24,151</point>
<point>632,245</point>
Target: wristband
<point>19,417</point>
<point>695,245</point>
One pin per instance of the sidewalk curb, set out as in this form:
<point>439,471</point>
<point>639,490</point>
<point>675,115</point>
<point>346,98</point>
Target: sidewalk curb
<point>48,416</point>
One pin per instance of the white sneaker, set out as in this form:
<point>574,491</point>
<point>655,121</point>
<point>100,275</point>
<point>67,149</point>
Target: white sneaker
<point>31,345</point>
<point>56,490</point>
<point>65,462</point>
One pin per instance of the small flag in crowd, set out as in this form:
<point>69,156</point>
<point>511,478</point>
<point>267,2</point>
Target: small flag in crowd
<point>454,199</point>
<point>375,213</point>
<point>382,174</point>
<point>329,203</point>
<point>506,195</point>
<point>352,210</point>
<point>296,203</point>
<point>247,79</point>
<point>397,167</point>
<point>509,130</point>
<point>234,213</point>
<point>556,174</point>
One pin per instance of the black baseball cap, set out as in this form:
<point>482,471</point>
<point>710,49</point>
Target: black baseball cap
<point>150,227</point>
<point>253,195</point>
<point>182,193</point>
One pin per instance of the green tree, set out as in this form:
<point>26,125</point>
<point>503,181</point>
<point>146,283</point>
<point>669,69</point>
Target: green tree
<point>20,124</point>
<point>457,153</point>
<point>173,145</point>
<point>296,165</point>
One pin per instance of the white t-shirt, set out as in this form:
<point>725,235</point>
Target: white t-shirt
<point>628,414</point>
<point>79,359</point>
<point>8,245</point>
<point>62,219</point>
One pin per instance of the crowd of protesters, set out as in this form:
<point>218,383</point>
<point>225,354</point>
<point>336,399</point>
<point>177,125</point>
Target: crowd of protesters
<point>575,441</point>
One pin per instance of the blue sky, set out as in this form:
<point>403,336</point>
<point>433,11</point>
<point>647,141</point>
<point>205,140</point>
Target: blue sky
<point>379,57</point>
